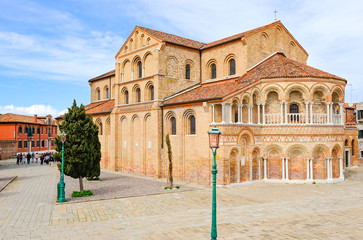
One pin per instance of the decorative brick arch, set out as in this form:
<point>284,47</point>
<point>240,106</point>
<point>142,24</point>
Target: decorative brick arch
<point>272,88</point>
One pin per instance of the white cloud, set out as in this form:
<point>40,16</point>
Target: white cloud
<point>40,110</point>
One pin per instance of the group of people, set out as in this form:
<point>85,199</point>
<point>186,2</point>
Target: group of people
<point>23,158</point>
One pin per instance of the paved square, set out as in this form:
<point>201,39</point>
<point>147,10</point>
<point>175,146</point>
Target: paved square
<point>255,211</point>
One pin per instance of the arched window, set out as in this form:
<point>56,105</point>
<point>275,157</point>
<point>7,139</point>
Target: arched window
<point>33,130</point>
<point>232,67</point>
<point>353,147</point>
<point>173,126</point>
<point>101,129</point>
<point>139,65</point>
<point>294,108</point>
<point>107,93</point>
<point>192,124</point>
<point>187,71</point>
<point>99,94</point>
<point>127,97</point>
<point>38,130</point>
<point>346,142</point>
<point>213,71</point>
<point>236,117</point>
<point>26,129</point>
<point>152,93</point>
<point>138,93</point>
<point>20,130</point>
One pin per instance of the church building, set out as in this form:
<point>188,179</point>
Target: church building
<point>281,120</point>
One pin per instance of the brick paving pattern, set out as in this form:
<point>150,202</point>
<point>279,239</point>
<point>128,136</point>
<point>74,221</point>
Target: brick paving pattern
<point>256,211</point>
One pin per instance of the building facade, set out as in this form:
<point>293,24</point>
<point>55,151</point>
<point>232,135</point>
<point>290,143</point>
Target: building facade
<point>281,119</point>
<point>29,133</point>
<point>359,117</point>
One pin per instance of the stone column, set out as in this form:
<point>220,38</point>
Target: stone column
<point>282,112</point>
<point>307,112</point>
<point>229,107</point>
<point>341,111</point>
<point>239,113</point>
<point>311,169</point>
<point>263,114</point>
<point>250,114</point>
<point>283,167</point>
<point>341,174</point>
<point>122,77</point>
<point>287,168</point>
<point>258,113</point>
<point>223,115</point>
<point>132,74</point>
<point>251,169</point>
<point>286,122</point>
<point>327,168</point>
<point>311,113</point>
<point>213,122</point>
<point>259,168</point>
<point>143,71</point>
<point>327,112</point>
<point>264,168</point>
<point>307,169</point>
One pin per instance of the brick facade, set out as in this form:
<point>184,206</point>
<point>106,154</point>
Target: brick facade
<point>281,119</point>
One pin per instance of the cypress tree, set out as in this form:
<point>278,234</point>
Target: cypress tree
<point>170,157</point>
<point>82,150</point>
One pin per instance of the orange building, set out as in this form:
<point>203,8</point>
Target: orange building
<point>30,133</point>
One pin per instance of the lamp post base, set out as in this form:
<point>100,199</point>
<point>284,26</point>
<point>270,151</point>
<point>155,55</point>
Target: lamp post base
<point>61,187</point>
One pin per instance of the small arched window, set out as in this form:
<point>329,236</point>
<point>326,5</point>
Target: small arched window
<point>232,67</point>
<point>38,130</point>
<point>353,147</point>
<point>127,97</point>
<point>236,117</point>
<point>213,71</point>
<point>26,129</point>
<point>138,93</point>
<point>192,124</point>
<point>294,108</point>
<point>107,93</point>
<point>139,65</point>
<point>99,94</point>
<point>187,71</point>
<point>173,126</point>
<point>20,130</point>
<point>152,93</point>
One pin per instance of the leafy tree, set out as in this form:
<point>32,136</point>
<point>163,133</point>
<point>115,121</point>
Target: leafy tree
<point>82,150</point>
<point>170,157</point>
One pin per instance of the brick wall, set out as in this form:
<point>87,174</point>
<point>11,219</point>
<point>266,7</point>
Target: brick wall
<point>7,149</point>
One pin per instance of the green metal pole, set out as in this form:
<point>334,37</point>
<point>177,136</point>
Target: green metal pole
<point>214,201</point>
<point>62,185</point>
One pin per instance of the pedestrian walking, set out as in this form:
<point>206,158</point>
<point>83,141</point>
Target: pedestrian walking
<point>28,156</point>
<point>33,155</point>
<point>41,159</point>
<point>18,159</point>
<point>36,157</point>
<point>23,158</point>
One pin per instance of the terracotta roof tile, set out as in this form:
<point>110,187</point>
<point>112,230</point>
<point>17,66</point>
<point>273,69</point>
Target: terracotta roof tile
<point>279,66</point>
<point>167,37</point>
<point>100,107</point>
<point>105,75</point>
<point>275,66</point>
<point>205,92</point>
<point>10,117</point>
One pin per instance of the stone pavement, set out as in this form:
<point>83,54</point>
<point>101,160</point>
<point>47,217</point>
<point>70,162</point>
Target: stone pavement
<point>255,211</point>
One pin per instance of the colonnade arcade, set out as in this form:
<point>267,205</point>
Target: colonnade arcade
<point>297,165</point>
<point>295,110</point>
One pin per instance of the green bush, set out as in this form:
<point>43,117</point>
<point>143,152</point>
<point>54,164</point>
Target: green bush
<point>314,182</point>
<point>177,187</point>
<point>93,179</point>
<point>82,194</point>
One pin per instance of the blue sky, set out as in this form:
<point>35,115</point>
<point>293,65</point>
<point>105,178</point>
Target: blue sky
<point>49,49</point>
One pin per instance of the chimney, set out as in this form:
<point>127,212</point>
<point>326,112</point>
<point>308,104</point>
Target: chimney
<point>35,118</point>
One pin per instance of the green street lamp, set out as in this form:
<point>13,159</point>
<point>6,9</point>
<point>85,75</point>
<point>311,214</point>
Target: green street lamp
<point>61,184</point>
<point>214,135</point>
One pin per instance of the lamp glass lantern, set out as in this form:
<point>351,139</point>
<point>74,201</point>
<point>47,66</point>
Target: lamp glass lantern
<point>63,137</point>
<point>214,136</point>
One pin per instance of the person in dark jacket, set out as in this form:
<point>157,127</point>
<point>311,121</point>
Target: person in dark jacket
<point>28,156</point>
<point>18,157</point>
